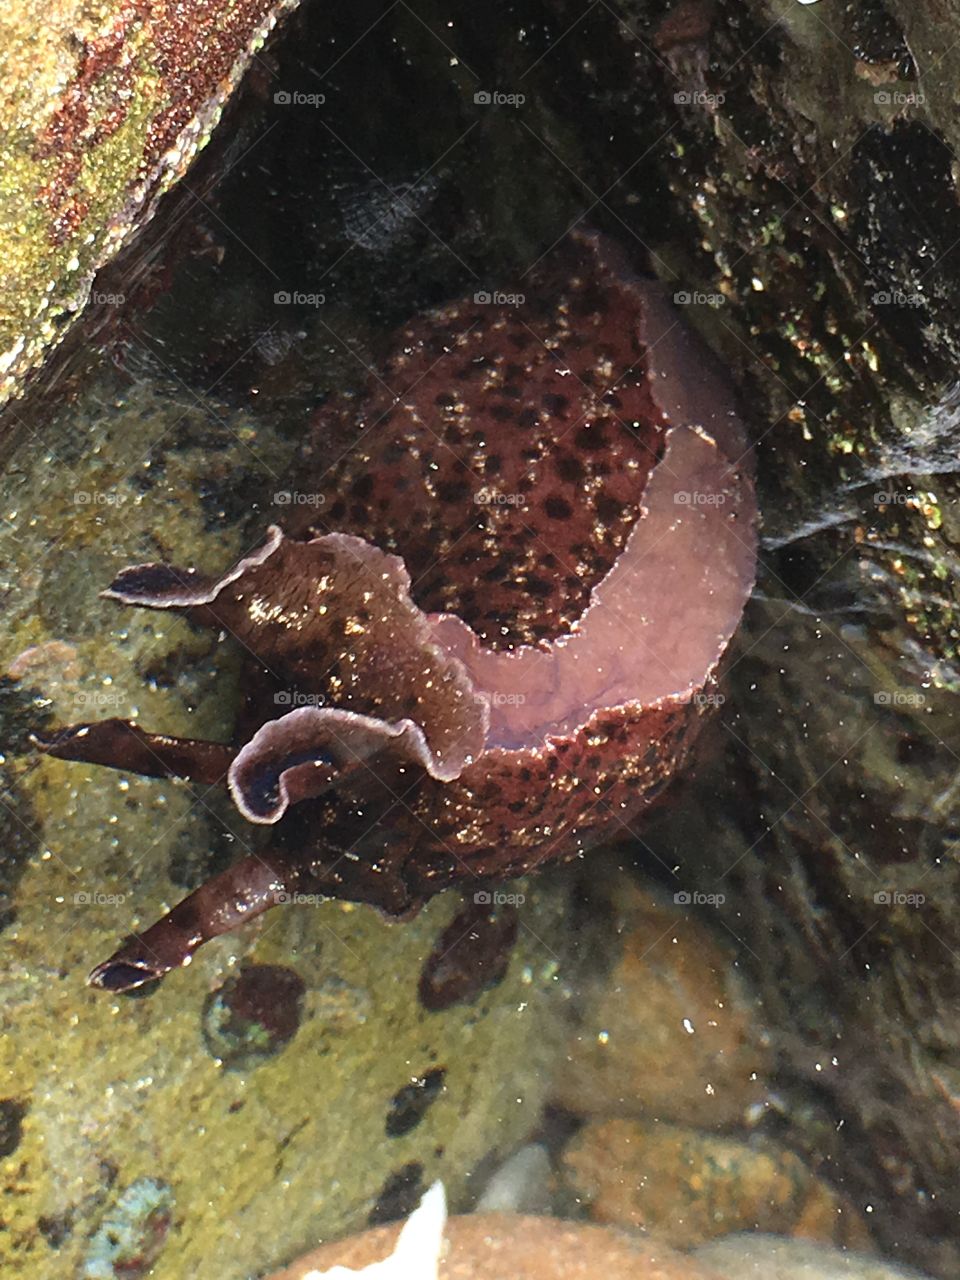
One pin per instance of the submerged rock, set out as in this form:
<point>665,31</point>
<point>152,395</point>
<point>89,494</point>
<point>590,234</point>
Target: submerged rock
<point>264,1088</point>
<point>673,1031</point>
<point>106,105</point>
<point>686,1186</point>
<point>773,1258</point>
<point>492,1246</point>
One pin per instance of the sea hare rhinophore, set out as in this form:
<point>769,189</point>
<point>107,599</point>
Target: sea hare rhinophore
<point>482,639</point>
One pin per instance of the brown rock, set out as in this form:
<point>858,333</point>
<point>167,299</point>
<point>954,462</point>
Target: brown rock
<point>671,1032</point>
<point>105,106</point>
<point>506,1246</point>
<point>688,1187</point>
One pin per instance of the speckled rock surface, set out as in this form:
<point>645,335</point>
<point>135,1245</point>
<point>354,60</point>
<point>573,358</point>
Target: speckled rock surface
<point>672,1032</point>
<point>687,1186</point>
<point>105,106</point>
<point>494,1246</point>
<point>290,1076</point>
<point>791,169</point>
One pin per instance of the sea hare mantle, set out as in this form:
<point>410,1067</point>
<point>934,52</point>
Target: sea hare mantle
<point>484,642</point>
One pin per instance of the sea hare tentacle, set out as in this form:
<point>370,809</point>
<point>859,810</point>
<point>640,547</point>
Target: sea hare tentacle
<point>483,642</point>
<point>121,744</point>
<point>245,890</point>
<point>334,607</point>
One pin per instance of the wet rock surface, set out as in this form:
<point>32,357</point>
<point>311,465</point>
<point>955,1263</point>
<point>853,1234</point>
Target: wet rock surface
<point>685,1186</point>
<point>790,170</point>
<point>776,1259</point>
<point>489,1246</point>
<point>106,106</point>
<point>671,1031</point>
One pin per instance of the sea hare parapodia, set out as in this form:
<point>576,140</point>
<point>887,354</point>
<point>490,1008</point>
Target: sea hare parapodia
<point>483,643</point>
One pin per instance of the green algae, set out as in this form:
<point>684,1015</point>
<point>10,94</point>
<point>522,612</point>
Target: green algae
<point>265,1160</point>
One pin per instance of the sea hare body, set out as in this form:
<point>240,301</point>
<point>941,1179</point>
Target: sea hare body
<point>482,640</point>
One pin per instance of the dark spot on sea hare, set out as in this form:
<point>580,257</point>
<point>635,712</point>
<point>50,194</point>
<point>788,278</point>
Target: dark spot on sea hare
<point>410,1104</point>
<point>557,508</point>
<point>251,1017</point>
<point>399,1195</point>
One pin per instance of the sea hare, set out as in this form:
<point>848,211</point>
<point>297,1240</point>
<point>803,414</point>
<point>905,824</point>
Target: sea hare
<point>483,637</point>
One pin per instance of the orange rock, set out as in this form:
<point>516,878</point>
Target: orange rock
<point>688,1187</point>
<point>827,1216</point>
<point>506,1246</point>
<point>44,663</point>
<point>672,1031</point>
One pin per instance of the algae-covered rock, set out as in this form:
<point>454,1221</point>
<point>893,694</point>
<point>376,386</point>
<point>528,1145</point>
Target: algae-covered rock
<point>287,1087</point>
<point>789,169</point>
<point>815,191</point>
<point>105,106</point>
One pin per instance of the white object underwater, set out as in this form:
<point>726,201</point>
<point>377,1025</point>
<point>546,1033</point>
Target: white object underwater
<point>417,1252</point>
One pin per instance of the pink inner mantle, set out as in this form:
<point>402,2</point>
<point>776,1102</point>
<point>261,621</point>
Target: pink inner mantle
<point>657,623</point>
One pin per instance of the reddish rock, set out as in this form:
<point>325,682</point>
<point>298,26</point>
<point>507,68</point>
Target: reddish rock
<point>105,106</point>
<point>505,1246</point>
<point>688,1187</point>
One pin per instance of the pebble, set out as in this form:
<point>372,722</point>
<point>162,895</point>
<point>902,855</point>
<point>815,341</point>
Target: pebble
<point>774,1258</point>
<point>687,1186</point>
<point>522,1184</point>
<point>672,1031</point>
